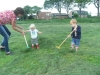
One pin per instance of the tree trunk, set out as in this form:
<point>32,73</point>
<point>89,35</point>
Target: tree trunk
<point>98,11</point>
<point>67,10</point>
<point>37,17</point>
<point>96,3</point>
<point>60,13</point>
<point>98,8</point>
<point>80,12</point>
<point>59,10</point>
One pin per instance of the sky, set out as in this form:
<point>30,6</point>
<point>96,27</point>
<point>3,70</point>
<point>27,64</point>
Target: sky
<point>12,4</point>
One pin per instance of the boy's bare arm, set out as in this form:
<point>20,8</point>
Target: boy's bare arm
<point>26,30</point>
<point>75,28</point>
<point>39,32</point>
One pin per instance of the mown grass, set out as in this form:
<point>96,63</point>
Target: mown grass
<point>49,60</point>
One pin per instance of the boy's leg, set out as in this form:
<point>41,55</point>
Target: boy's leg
<point>77,42</point>
<point>32,41</point>
<point>72,46</point>
<point>6,37</point>
<point>36,41</point>
<point>72,43</point>
<point>32,45</point>
<point>76,48</point>
<point>37,46</point>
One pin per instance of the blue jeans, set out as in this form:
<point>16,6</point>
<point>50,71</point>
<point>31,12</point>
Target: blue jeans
<point>5,33</point>
<point>75,42</point>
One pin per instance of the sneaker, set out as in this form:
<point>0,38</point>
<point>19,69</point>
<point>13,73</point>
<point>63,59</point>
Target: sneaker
<point>37,46</point>
<point>7,53</point>
<point>2,47</point>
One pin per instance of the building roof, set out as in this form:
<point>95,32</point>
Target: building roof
<point>82,12</point>
<point>57,14</point>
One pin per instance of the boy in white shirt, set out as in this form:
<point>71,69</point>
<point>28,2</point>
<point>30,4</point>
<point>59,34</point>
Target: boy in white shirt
<point>34,33</point>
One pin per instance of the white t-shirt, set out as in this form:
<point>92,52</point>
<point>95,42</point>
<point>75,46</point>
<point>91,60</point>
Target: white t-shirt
<point>34,33</point>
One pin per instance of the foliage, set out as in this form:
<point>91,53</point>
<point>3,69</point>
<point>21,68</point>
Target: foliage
<point>82,4</point>
<point>36,9</point>
<point>48,4</point>
<point>30,10</point>
<point>89,16</point>
<point>97,5</point>
<point>76,15</point>
<point>54,4</point>
<point>67,5</point>
<point>27,9</point>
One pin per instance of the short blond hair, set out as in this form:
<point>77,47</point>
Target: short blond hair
<point>32,26</point>
<point>73,21</point>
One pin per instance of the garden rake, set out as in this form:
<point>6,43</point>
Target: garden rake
<point>26,41</point>
<point>64,40</point>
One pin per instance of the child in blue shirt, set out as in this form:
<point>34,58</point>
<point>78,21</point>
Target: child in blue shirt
<point>76,35</point>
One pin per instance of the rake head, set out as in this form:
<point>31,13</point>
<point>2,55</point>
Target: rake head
<point>28,47</point>
<point>58,47</point>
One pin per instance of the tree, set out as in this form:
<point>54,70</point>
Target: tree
<point>36,10</point>
<point>97,5</point>
<point>82,4</point>
<point>54,4</point>
<point>27,10</point>
<point>67,5</point>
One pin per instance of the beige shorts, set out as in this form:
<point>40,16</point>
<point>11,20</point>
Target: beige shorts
<point>34,41</point>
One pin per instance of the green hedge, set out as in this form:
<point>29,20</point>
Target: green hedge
<point>67,20</point>
<point>88,20</point>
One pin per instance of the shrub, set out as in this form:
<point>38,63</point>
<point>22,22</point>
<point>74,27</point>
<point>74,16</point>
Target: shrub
<point>89,16</point>
<point>76,15</point>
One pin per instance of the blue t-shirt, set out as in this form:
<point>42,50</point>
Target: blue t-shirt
<point>78,32</point>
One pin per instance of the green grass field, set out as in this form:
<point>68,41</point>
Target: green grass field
<point>49,60</point>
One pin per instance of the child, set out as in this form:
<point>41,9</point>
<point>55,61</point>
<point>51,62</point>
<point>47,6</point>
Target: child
<point>9,17</point>
<point>76,35</point>
<point>33,31</point>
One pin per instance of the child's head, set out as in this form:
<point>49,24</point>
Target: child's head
<point>19,11</point>
<point>73,22</point>
<point>32,26</point>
